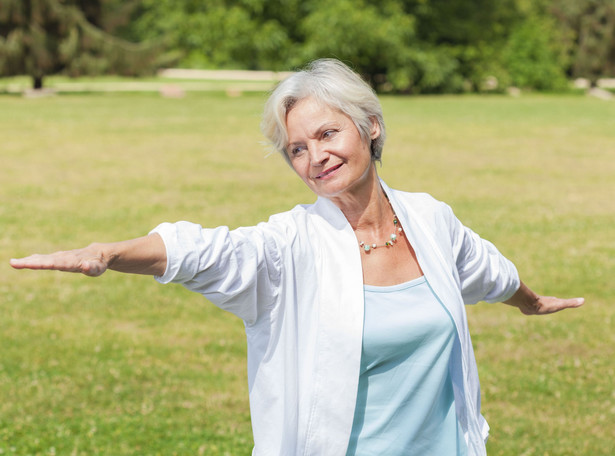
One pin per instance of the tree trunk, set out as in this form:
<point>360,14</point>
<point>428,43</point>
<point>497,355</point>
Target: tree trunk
<point>37,82</point>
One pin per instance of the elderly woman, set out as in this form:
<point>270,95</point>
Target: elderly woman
<point>353,306</point>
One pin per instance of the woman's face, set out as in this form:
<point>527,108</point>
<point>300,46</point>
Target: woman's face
<point>326,149</point>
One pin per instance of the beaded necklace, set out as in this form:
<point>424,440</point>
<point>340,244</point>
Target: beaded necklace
<point>390,243</point>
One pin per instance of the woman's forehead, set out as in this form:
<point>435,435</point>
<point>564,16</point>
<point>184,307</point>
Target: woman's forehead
<point>310,116</point>
<point>312,110</point>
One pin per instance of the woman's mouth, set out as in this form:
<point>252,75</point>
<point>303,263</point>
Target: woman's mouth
<point>327,172</point>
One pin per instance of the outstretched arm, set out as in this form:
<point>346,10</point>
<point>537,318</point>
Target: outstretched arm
<point>530,303</point>
<point>144,255</point>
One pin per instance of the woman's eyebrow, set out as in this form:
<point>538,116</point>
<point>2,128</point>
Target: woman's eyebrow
<point>325,126</point>
<point>316,132</point>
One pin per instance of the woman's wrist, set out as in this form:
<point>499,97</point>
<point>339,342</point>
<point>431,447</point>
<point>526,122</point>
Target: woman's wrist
<point>525,300</point>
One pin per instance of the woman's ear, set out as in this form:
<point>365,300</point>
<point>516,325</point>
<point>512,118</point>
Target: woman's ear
<point>375,131</point>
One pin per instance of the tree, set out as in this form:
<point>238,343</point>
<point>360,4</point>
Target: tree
<point>370,38</point>
<point>409,46</point>
<point>246,34</point>
<point>379,39</point>
<point>459,22</point>
<point>592,24</point>
<point>535,54</point>
<point>43,37</point>
<point>466,36</point>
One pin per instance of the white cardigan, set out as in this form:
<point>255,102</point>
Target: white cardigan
<point>297,283</point>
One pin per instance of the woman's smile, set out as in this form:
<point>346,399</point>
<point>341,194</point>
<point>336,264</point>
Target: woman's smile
<point>327,173</point>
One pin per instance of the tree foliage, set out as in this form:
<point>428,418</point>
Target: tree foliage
<point>591,23</point>
<point>247,34</point>
<point>400,45</point>
<point>360,33</point>
<point>535,54</point>
<point>42,37</point>
<point>408,46</point>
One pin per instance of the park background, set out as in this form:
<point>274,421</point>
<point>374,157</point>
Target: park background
<point>502,109</point>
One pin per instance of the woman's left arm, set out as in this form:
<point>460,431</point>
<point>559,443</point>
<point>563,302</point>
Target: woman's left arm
<point>530,303</point>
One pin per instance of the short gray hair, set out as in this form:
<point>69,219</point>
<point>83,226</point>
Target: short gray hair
<point>331,82</point>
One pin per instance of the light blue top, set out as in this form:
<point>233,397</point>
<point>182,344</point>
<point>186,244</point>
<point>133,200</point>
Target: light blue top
<point>405,404</point>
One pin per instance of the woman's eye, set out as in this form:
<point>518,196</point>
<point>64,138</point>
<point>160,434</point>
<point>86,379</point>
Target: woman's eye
<point>328,134</point>
<point>296,150</point>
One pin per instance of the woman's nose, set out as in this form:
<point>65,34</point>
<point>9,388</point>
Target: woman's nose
<point>318,155</point>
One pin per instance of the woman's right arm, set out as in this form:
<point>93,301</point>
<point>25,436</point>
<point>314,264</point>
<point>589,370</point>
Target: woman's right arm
<point>144,255</point>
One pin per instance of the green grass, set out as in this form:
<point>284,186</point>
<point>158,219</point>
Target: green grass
<point>122,366</point>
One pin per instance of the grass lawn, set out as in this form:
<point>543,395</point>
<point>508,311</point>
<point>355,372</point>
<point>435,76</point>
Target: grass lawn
<point>120,365</point>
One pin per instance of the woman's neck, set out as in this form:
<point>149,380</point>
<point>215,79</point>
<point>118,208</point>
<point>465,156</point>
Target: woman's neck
<point>367,210</point>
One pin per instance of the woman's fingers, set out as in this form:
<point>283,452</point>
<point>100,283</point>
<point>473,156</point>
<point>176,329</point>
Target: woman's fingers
<point>35,262</point>
<point>550,304</point>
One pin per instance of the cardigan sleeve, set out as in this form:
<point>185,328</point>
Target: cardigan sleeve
<point>239,270</point>
<point>484,273</point>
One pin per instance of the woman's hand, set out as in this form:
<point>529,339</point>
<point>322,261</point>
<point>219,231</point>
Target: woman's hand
<point>530,303</point>
<point>145,255</point>
<point>549,304</point>
<point>90,261</point>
